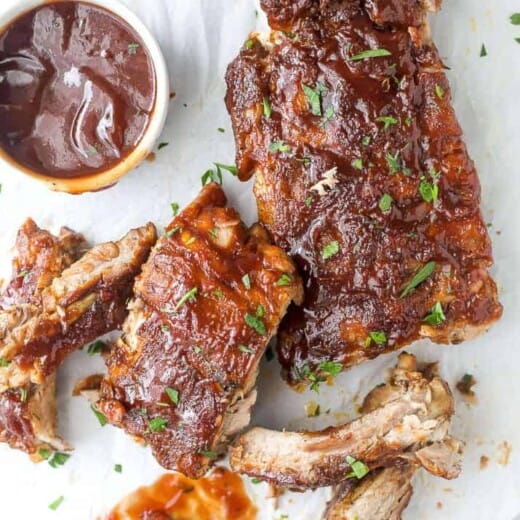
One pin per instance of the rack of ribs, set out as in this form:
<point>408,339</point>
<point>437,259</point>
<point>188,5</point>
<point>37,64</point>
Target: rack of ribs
<point>343,113</point>
<point>403,422</point>
<point>58,300</point>
<point>209,299</point>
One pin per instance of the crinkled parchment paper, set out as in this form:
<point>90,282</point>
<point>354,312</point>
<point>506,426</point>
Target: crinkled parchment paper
<point>199,38</point>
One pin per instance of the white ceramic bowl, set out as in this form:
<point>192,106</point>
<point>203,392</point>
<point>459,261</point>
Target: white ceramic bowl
<point>104,179</point>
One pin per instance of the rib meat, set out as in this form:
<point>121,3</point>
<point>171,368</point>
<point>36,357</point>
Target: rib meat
<point>28,419</point>
<point>406,420</point>
<point>362,175</point>
<point>205,307</point>
<point>51,308</point>
<point>381,495</point>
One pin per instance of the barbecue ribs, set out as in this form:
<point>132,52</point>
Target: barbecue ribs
<point>205,307</point>
<point>53,306</point>
<point>344,114</point>
<point>405,421</point>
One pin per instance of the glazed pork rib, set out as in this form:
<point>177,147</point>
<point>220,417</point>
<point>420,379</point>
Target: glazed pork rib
<point>28,419</point>
<point>403,421</point>
<point>51,308</point>
<point>205,307</point>
<point>362,175</point>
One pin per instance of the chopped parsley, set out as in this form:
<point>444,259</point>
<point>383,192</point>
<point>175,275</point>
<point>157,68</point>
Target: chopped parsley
<point>191,295</point>
<point>388,121</point>
<point>157,425</point>
<point>100,417</point>
<point>314,97</point>
<point>57,503</point>
<point>284,280</point>
<point>331,367</point>
<point>385,203</point>
<point>377,336</point>
<point>313,378</point>
<point>118,468</point>
<point>423,274</point>
<point>165,328</point>
<point>329,114</point>
<point>366,140</point>
<point>58,459</point>
<point>175,208</point>
<point>162,145</point>
<point>515,18</point>
<point>44,454</point>
<point>279,146</point>
<point>370,53</point>
<point>230,168</point>
<point>308,200</point>
<point>359,469</point>
<point>218,293</point>
<point>96,347</point>
<point>209,454</point>
<point>439,91</point>
<point>357,164</point>
<point>3,362</point>
<point>330,250</point>
<point>260,311</point>
<point>245,349</point>
<point>267,108</point>
<point>256,324</point>
<point>394,162</point>
<point>221,130</point>
<point>173,395</point>
<point>246,280</point>
<point>483,51</point>
<point>255,481</point>
<point>207,176</point>
<point>172,231</point>
<point>197,349</point>
<point>93,150</point>
<point>213,233</point>
<point>23,394</point>
<point>249,44</point>
<point>429,191</point>
<point>23,274</point>
<point>132,48</point>
<point>436,316</point>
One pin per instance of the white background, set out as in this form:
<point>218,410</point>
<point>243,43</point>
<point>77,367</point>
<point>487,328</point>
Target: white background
<point>199,38</point>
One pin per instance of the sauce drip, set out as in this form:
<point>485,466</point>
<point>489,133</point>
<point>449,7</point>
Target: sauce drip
<point>219,496</point>
<point>77,87</point>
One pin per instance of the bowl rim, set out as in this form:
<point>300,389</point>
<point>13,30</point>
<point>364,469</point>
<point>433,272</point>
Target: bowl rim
<point>104,179</point>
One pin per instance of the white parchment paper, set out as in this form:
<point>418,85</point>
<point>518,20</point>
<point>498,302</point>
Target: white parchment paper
<point>199,38</point>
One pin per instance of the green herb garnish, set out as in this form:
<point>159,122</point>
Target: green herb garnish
<point>439,91</point>
<point>256,324</point>
<point>424,273</point>
<point>429,191</point>
<point>366,140</point>
<point>132,48</point>
<point>515,18</point>
<point>357,164</point>
<point>57,503</point>
<point>23,394</point>
<point>157,425</point>
<point>190,295</point>
<point>173,395</point>
<point>330,250</point>
<point>329,114</point>
<point>118,468</point>
<point>284,280</point>
<point>359,469</point>
<point>3,362</point>
<point>245,349</point>
<point>394,162</point>
<point>162,145</point>
<point>388,121</point>
<point>314,97</point>
<point>378,337</point>
<point>483,51</point>
<point>100,417</point>
<point>436,316</point>
<point>175,208</point>
<point>267,108</point>
<point>209,454</point>
<point>246,281</point>
<point>385,203</point>
<point>370,53</point>
<point>331,367</point>
<point>96,347</point>
<point>279,146</point>
<point>58,459</point>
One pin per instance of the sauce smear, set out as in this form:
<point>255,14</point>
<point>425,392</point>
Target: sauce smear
<point>219,496</point>
<point>77,88</point>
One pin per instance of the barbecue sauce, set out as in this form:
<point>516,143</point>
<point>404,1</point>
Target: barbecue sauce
<point>77,89</point>
<point>219,496</point>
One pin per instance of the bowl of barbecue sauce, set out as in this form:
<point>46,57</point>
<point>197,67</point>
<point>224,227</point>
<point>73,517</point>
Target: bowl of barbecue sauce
<point>83,92</point>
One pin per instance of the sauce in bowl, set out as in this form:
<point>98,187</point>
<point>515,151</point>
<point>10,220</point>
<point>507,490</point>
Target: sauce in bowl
<point>77,89</point>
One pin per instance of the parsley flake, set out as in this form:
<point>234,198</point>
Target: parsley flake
<point>314,97</point>
<point>267,108</point>
<point>245,349</point>
<point>118,468</point>
<point>483,51</point>
<point>385,203</point>
<point>58,459</point>
<point>330,250</point>
<point>429,191</point>
<point>4,362</point>
<point>173,395</point>
<point>515,18</point>
<point>96,347</point>
<point>357,164</point>
<point>246,280</point>
<point>329,114</point>
<point>57,503</point>
<point>157,425</point>
<point>133,47</point>
<point>423,274</point>
<point>256,324</point>
<point>284,280</point>
<point>388,121</point>
<point>209,454</point>
<point>279,146</point>
<point>378,337</point>
<point>359,469</point>
<point>162,145</point>
<point>100,417</point>
<point>436,316</point>
<point>370,53</point>
<point>191,295</point>
<point>439,91</point>
<point>331,367</point>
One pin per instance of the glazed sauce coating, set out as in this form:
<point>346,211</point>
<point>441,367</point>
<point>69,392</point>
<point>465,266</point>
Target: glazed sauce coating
<point>220,496</point>
<point>77,88</point>
<point>363,177</point>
